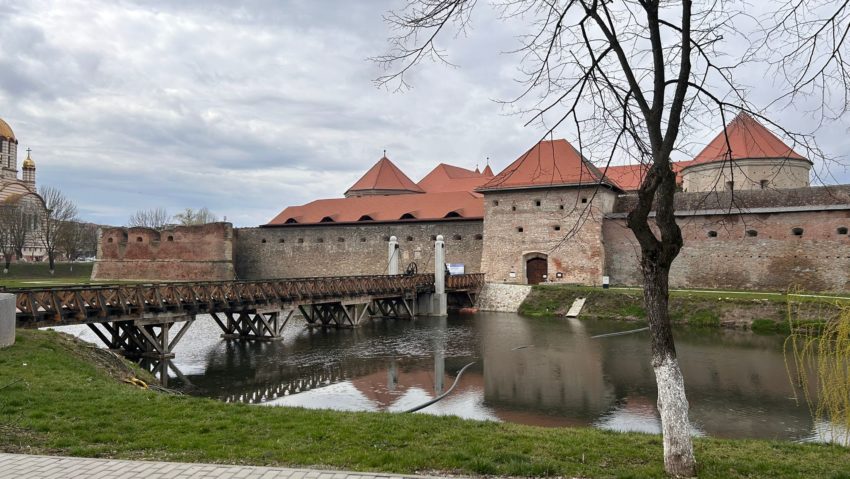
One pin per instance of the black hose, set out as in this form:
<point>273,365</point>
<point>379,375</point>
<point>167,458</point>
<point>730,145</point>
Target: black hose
<point>441,396</point>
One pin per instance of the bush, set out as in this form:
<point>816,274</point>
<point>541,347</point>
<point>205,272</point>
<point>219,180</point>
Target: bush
<point>704,319</point>
<point>764,326</point>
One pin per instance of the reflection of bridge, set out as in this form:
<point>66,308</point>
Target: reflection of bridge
<point>137,319</point>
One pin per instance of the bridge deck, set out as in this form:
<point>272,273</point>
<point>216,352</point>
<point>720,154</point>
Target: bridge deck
<point>54,306</point>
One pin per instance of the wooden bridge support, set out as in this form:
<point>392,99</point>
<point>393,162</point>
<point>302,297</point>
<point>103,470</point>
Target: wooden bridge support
<point>252,324</point>
<point>148,338</point>
<point>392,308</point>
<point>334,314</point>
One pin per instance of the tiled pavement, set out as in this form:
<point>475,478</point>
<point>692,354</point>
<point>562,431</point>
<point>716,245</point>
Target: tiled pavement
<point>13,466</point>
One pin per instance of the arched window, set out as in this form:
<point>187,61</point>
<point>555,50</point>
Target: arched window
<point>453,214</point>
<point>752,233</point>
<point>712,234</point>
<point>109,240</point>
<point>169,238</point>
<point>407,216</point>
<point>842,230</point>
<point>797,231</point>
<point>139,239</point>
<point>326,219</point>
<point>365,218</point>
<point>290,221</point>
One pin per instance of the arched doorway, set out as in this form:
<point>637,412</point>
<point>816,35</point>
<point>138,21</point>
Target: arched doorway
<point>536,268</point>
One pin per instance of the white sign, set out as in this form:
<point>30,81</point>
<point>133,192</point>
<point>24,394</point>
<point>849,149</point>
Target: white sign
<point>455,268</point>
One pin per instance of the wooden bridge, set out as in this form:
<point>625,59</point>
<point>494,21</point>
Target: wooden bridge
<point>137,319</point>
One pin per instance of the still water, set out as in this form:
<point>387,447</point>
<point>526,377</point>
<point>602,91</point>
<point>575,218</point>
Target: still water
<point>547,372</point>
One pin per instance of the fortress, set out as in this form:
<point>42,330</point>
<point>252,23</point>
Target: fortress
<point>749,216</point>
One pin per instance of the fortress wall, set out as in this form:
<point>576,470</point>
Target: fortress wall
<point>774,259</point>
<point>333,250</point>
<point>198,253</point>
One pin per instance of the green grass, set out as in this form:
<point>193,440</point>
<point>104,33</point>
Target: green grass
<point>56,400</point>
<point>694,308</point>
<point>23,275</point>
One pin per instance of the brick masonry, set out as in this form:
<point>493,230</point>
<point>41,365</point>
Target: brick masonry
<point>522,224</point>
<point>200,253</point>
<point>746,251</point>
<point>302,251</point>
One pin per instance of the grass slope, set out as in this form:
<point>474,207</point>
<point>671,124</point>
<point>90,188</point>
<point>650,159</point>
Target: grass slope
<point>22,275</point>
<point>55,399</point>
<point>764,313</point>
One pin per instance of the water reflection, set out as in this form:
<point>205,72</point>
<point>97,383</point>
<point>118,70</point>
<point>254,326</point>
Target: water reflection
<point>531,371</point>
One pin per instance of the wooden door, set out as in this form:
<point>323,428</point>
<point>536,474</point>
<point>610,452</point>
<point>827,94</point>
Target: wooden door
<point>536,270</point>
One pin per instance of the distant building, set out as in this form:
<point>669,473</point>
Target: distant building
<point>21,191</point>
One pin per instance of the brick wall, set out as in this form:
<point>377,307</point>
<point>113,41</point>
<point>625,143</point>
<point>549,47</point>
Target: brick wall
<point>547,217</point>
<point>332,250</point>
<point>770,257</point>
<point>198,253</point>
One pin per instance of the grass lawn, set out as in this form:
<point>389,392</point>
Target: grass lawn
<point>55,399</point>
<point>34,275</point>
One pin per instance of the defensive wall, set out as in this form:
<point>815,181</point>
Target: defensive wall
<point>202,252</point>
<point>759,239</point>
<point>293,251</point>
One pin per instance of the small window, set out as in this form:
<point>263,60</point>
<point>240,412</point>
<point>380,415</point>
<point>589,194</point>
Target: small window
<point>457,237</point>
<point>362,240</point>
<point>730,185</point>
<point>281,240</point>
<point>300,240</point>
<point>797,231</point>
<point>407,216</point>
<point>365,218</point>
<point>752,233</point>
<point>712,234</point>
<point>139,239</point>
<point>290,221</point>
<point>764,184</point>
<point>495,202</point>
<point>513,208</point>
<point>320,240</point>
<point>584,200</point>
<point>519,229</point>
<point>452,214</point>
<point>263,240</point>
<point>433,237</point>
<point>109,240</point>
<point>410,238</point>
<point>557,227</point>
<point>560,207</point>
<point>169,238</point>
<point>326,219</point>
<point>536,202</point>
<point>479,237</point>
<point>386,238</point>
<point>340,240</point>
<point>841,231</point>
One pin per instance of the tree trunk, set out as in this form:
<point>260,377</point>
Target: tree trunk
<point>52,262</point>
<point>679,458</point>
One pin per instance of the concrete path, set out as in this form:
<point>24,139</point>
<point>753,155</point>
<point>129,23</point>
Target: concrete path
<point>58,467</point>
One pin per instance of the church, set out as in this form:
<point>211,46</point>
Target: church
<point>21,192</point>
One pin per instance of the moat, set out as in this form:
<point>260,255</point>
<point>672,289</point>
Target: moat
<point>547,372</point>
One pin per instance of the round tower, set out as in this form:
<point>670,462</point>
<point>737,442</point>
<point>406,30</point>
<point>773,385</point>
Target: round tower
<point>29,171</point>
<point>8,151</point>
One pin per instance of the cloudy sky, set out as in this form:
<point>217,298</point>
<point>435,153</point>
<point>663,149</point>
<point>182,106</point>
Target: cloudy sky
<point>247,109</point>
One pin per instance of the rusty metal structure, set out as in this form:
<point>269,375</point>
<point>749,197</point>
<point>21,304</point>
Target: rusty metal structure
<point>138,319</point>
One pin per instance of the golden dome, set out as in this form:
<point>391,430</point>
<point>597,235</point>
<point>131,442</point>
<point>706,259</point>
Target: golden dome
<point>6,130</point>
<point>28,163</point>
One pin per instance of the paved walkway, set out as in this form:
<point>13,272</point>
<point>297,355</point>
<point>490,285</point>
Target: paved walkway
<point>14,466</point>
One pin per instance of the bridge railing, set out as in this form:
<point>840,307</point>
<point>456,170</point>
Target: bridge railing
<point>467,282</point>
<point>78,303</point>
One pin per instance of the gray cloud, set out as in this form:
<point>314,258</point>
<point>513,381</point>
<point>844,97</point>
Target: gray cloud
<point>248,109</point>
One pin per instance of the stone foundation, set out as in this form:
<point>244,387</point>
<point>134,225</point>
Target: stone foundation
<point>502,297</point>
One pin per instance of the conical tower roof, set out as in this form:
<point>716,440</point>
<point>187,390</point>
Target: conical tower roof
<point>748,139</point>
<point>548,163</point>
<point>384,178</point>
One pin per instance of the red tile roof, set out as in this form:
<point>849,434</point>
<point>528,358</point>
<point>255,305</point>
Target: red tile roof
<point>445,178</point>
<point>548,163</point>
<point>748,139</point>
<point>383,178</point>
<point>629,177</point>
<point>424,206</point>
<point>488,171</point>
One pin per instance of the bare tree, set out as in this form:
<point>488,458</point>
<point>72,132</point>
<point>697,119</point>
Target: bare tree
<point>155,218</point>
<point>60,212</point>
<point>190,217</point>
<point>76,239</point>
<point>632,78</point>
<point>8,216</point>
